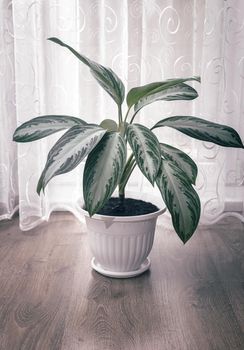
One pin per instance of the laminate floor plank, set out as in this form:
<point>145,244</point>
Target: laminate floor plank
<point>229,262</point>
<point>50,299</point>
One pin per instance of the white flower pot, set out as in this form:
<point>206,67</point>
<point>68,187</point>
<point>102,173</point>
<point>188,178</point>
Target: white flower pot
<point>121,244</point>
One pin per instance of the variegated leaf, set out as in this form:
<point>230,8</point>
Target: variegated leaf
<point>43,126</point>
<point>146,150</point>
<point>181,159</point>
<point>203,130</point>
<point>137,93</point>
<point>107,78</point>
<point>180,198</point>
<point>177,92</point>
<point>69,151</point>
<point>103,169</point>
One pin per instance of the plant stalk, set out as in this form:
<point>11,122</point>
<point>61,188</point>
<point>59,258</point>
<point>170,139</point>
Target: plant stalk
<point>133,117</point>
<point>130,165</point>
<point>120,115</point>
<point>127,114</point>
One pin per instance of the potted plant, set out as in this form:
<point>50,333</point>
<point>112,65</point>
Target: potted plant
<point>122,229</point>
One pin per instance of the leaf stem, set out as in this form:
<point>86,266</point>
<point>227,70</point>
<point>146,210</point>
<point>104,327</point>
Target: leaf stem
<point>127,113</point>
<point>120,115</point>
<point>133,117</point>
<point>129,167</point>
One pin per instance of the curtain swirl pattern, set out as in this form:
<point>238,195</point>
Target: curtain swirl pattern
<point>143,41</point>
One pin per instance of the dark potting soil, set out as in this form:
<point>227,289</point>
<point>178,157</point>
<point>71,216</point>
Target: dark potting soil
<point>130,207</point>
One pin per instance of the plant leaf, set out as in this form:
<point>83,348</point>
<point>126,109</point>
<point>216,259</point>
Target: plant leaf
<point>109,125</point>
<point>103,169</point>
<point>146,150</point>
<point>137,93</point>
<point>69,151</point>
<point>180,198</point>
<point>178,92</point>
<point>40,127</point>
<point>203,130</point>
<point>181,159</point>
<point>107,78</point>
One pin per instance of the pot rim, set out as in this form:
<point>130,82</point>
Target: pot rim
<point>147,197</point>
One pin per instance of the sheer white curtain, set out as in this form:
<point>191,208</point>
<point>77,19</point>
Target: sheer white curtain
<point>142,41</point>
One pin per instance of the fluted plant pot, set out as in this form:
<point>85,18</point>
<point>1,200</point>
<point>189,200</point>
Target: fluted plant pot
<point>121,244</point>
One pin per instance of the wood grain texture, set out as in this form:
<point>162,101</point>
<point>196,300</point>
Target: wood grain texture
<point>50,299</point>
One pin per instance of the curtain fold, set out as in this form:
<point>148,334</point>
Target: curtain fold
<point>9,198</point>
<point>143,41</point>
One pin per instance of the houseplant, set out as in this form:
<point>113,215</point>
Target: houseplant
<point>108,166</point>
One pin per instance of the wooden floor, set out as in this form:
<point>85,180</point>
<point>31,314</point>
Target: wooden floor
<point>193,297</point>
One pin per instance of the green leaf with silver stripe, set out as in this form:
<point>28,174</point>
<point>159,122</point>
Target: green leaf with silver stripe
<point>180,198</point>
<point>181,159</point>
<point>146,150</point>
<point>137,93</point>
<point>177,92</point>
<point>106,77</point>
<point>103,170</point>
<point>204,130</point>
<point>69,151</point>
<point>43,126</point>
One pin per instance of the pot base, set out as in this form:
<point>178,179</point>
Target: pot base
<point>97,267</point>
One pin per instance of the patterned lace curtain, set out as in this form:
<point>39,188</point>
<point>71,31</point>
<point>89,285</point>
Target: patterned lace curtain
<point>143,41</point>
